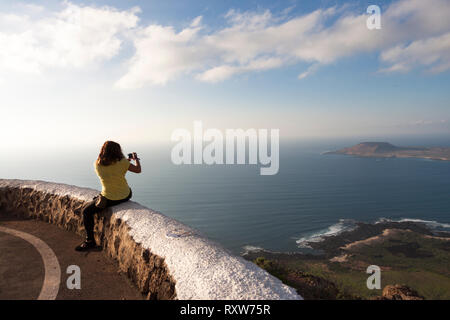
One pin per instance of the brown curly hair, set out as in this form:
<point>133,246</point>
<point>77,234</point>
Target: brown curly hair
<point>110,153</point>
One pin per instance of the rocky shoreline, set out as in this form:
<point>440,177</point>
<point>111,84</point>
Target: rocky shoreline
<point>333,245</point>
<point>337,268</point>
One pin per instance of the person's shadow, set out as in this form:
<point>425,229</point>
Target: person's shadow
<point>93,249</point>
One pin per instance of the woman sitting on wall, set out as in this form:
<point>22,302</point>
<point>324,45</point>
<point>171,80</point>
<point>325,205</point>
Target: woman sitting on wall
<point>111,167</point>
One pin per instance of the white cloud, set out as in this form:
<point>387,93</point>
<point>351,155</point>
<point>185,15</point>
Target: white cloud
<point>419,18</point>
<point>417,124</point>
<point>422,122</point>
<point>248,44</point>
<point>73,37</point>
<point>415,33</point>
<point>196,22</point>
<point>423,35</point>
<point>30,7</point>
<point>433,53</point>
<point>223,72</point>
<point>162,54</point>
<point>260,41</point>
<point>311,70</point>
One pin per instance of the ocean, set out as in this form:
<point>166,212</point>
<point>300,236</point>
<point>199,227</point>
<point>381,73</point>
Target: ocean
<point>312,196</point>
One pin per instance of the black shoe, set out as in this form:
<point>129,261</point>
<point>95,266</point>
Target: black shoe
<point>86,245</point>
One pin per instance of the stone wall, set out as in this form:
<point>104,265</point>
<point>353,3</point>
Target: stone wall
<point>164,258</point>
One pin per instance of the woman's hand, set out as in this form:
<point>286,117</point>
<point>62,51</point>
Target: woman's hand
<point>137,167</point>
<point>135,156</point>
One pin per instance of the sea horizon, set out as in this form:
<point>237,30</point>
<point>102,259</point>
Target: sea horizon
<point>313,195</point>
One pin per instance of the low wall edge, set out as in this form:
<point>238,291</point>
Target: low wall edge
<point>163,257</point>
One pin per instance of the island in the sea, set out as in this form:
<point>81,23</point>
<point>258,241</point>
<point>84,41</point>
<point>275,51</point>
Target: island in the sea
<point>387,150</point>
<point>413,255</point>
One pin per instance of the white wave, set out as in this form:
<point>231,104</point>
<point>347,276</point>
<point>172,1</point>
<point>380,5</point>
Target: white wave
<point>249,249</point>
<point>348,225</point>
<point>335,229</point>
<point>430,223</point>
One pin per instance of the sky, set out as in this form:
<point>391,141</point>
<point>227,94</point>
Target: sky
<point>76,73</point>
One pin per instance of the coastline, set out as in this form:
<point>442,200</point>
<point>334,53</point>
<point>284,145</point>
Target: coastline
<point>387,150</point>
<point>322,243</point>
<point>388,156</point>
<point>408,252</point>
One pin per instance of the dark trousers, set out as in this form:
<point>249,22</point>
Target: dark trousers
<point>90,209</point>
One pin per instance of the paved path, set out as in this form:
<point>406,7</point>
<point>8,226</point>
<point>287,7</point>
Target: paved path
<point>34,257</point>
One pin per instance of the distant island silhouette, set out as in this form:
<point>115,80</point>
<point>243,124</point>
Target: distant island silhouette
<point>387,150</point>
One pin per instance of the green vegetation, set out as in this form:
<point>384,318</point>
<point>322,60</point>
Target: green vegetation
<point>419,261</point>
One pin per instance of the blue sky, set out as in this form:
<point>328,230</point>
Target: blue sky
<point>137,70</point>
